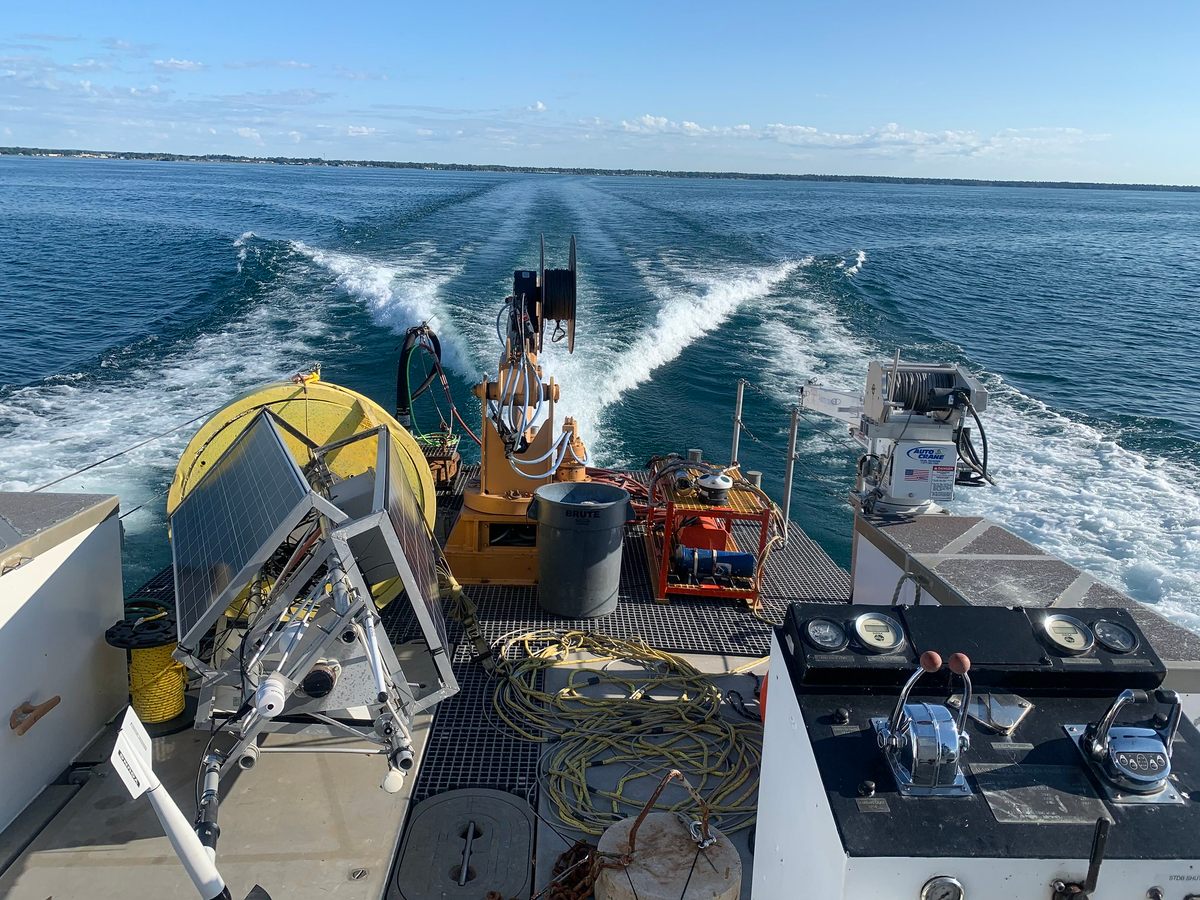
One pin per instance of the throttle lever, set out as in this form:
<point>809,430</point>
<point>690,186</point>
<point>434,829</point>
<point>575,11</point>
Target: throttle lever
<point>922,741</point>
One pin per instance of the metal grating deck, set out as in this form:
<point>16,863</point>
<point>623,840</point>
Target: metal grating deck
<point>466,748</point>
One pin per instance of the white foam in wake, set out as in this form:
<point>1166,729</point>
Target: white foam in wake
<point>1128,519</point>
<point>610,368</point>
<point>852,269</point>
<point>243,246</point>
<point>64,423</point>
<point>399,295</point>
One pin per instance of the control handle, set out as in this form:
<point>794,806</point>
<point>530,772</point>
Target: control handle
<point>930,662</point>
<point>1098,741</point>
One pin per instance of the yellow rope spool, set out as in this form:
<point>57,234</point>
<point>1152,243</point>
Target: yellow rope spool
<point>156,681</point>
<point>156,684</point>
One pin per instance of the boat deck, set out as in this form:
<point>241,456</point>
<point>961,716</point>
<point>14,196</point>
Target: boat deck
<point>313,825</point>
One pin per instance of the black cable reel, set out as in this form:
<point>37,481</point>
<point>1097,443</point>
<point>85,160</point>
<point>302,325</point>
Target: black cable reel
<point>558,296</point>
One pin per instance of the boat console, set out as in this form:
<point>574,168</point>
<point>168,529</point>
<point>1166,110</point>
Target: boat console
<point>946,753</point>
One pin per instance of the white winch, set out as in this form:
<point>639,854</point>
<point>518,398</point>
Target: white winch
<point>911,420</point>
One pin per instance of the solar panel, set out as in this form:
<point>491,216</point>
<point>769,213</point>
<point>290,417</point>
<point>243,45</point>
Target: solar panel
<point>226,526</point>
<point>415,540</point>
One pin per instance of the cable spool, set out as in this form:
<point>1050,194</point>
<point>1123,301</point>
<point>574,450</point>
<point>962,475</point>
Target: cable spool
<point>156,680</point>
<point>559,295</point>
<point>914,389</point>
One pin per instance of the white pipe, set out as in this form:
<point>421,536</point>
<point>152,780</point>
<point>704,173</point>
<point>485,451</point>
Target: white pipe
<point>192,854</point>
<point>367,628</point>
<point>791,468</point>
<point>737,422</point>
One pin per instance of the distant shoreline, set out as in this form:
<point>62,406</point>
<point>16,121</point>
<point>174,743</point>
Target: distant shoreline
<point>563,170</point>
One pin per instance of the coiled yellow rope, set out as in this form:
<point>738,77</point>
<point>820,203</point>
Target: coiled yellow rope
<point>156,684</point>
<point>667,717</point>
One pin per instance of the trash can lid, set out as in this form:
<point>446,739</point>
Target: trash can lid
<point>582,493</point>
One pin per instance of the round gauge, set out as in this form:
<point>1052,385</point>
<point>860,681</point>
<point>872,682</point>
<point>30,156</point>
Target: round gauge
<point>943,887</point>
<point>1068,635</point>
<point>878,633</point>
<point>1115,638</point>
<point>825,634</point>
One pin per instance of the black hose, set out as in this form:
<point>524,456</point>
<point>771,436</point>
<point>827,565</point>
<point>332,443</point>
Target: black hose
<point>983,464</point>
<point>419,337</point>
<point>558,294</point>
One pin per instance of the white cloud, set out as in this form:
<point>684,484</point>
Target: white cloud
<point>127,47</point>
<point>295,136</point>
<point>537,107</point>
<point>648,125</point>
<point>424,132</point>
<point>268,64</point>
<point>249,134</point>
<point>359,131</point>
<point>177,65</point>
<point>883,140</point>
<point>359,75</point>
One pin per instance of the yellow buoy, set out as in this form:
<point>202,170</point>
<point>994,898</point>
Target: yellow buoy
<point>323,412</point>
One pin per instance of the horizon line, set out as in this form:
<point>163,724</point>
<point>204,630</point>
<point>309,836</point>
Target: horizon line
<point>165,156</point>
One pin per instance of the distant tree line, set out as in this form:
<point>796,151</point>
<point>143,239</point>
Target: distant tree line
<point>561,170</point>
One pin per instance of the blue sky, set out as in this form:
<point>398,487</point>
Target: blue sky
<point>1048,90</point>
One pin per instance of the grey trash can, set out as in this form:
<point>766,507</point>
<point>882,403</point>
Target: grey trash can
<point>581,528</point>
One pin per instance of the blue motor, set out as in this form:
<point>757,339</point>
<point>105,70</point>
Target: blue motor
<point>720,563</point>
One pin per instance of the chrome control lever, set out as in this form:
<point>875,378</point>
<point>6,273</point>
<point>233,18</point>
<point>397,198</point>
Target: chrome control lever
<point>924,742</point>
<point>1135,758</point>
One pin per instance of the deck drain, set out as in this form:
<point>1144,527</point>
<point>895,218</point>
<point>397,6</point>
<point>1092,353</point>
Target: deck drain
<point>358,874</point>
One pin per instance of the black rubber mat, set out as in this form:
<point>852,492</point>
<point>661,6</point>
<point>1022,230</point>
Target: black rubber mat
<point>798,571</point>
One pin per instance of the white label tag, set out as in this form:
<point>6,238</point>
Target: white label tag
<point>131,755</point>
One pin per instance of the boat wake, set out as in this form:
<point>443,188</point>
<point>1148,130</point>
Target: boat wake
<point>691,306</point>
<point>852,269</point>
<point>400,295</point>
<point>61,424</point>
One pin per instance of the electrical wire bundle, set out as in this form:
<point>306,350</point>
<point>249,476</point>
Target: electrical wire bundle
<point>420,339</point>
<point>976,471</point>
<point>523,398</point>
<point>637,491</point>
<point>665,714</point>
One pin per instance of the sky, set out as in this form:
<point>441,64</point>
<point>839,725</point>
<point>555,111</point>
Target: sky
<point>1053,90</point>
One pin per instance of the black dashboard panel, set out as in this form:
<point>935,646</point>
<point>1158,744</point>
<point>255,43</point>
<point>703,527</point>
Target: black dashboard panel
<point>1030,792</point>
<point>1009,648</point>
